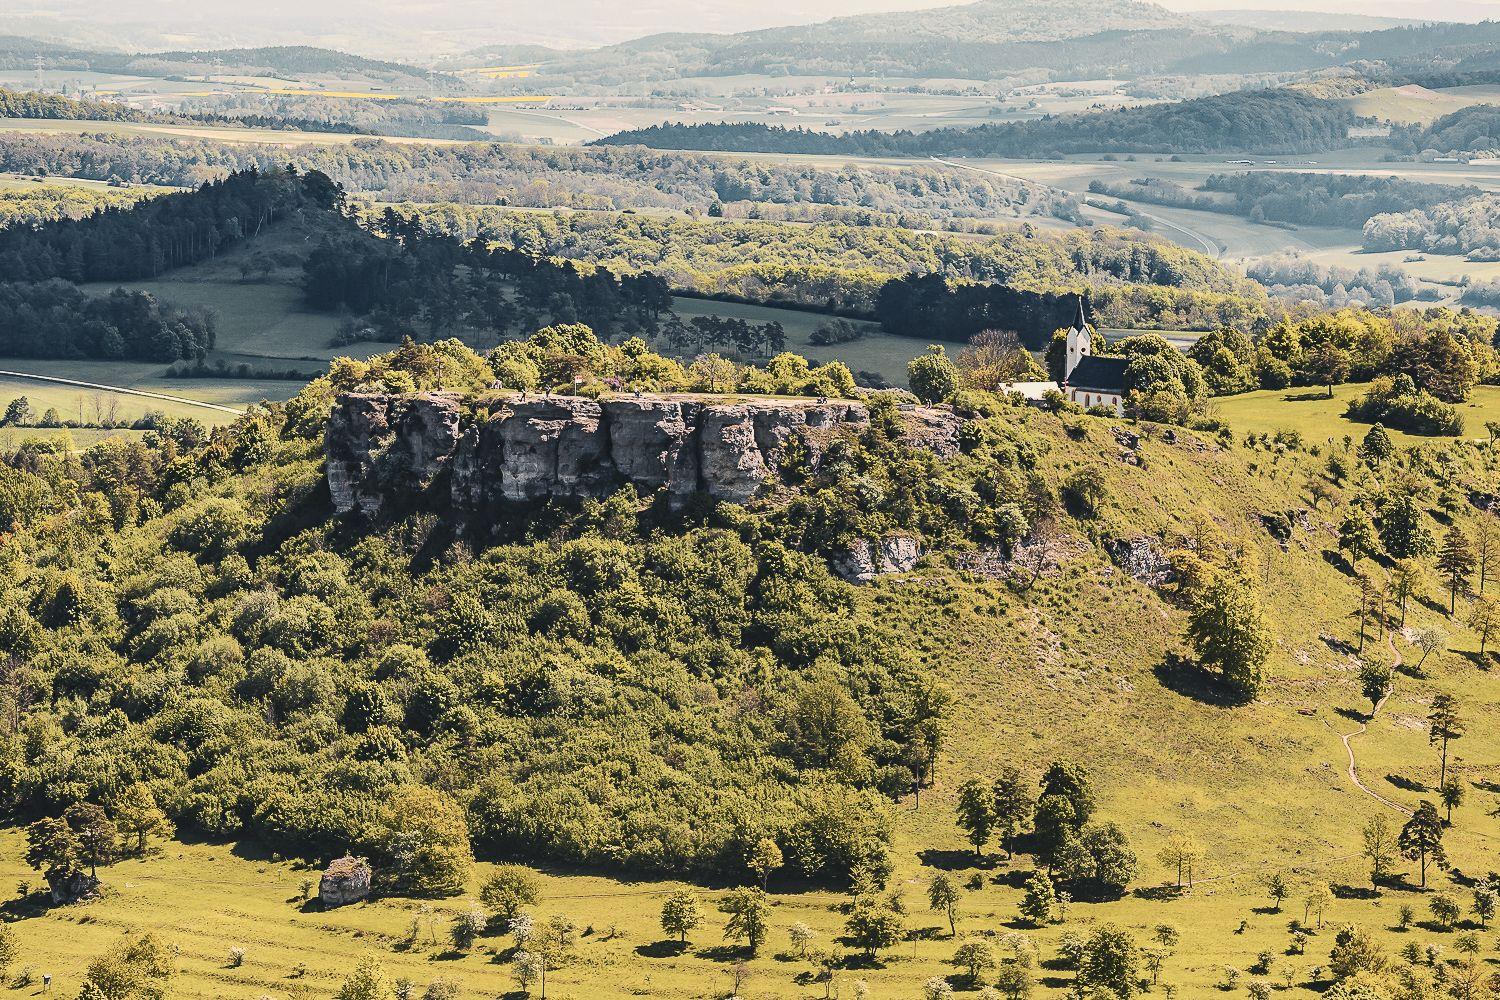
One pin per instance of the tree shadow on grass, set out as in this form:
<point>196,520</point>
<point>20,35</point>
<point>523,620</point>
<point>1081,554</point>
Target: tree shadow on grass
<point>1181,675</point>
<point>1342,890</point>
<point>1406,784</point>
<point>723,952</point>
<point>661,949</point>
<point>1338,562</point>
<point>1159,893</point>
<point>952,861</point>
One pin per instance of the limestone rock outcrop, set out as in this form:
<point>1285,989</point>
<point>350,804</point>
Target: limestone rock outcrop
<point>863,561</point>
<point>345,881</point>
<point>387,452</point>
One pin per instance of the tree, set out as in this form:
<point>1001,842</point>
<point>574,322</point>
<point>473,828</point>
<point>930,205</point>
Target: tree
<point>18,413</point>
<point>425,840</point>
<point>51,845</point>
<point>802,937</point>
<point>1099,858</point>
<point>976,958</point>
<point>1181,853</point>
<point>1013,806</point>
<point>1376,447</point>
<point>1443,725</point>
<point>1277,889</point>
<point>1484,903</point>
<point>139,816</point>
<point>1110,961</point>
<point>98,837</point>
<point>933,377</point>
<point>1014,982</point>
<point>1038,899</point>
<point>1421,838</point>
<point>943,896</point>
<point>1409,578</point>
<point>1354,951</point>
<point>1429,640</point>
<point>1486,546</point>
<point>749,914</point>
<point>1484,617</point>
<point>1357,534</point>
<point>679,915</point>
<point>143,966</point>
<point>1375,681</point>
<point>1379,847</point>
<point>1403,529</point>
<point>765,858</point>
<point>10,949</point>
<point>1315,903</point>
<point>1069,781</point>
<point>1366,606</point>
<point>1227,628</point>
<point>1451,792</point>
<point>509,890</point>
<point>467,925</point>
<point>1445,909</point>
<point>527,968</point>
<point>1327,365</point>
<point>1456,562</point>
<point>976,813</point>
<point>873,924</point>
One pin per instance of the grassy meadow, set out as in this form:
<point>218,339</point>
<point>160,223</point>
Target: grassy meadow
<point>1309,411</point>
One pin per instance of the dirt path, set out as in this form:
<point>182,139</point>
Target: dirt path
<point>1347,738</point>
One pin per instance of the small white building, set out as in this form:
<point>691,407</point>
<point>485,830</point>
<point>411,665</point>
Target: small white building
<point>1088,379</point>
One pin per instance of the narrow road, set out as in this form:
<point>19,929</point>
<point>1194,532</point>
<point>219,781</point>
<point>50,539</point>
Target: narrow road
<point>128,392</point>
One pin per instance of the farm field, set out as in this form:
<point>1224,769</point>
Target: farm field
<point>1309,411</point>
<point>877,352</point>
<point>1413,104</point>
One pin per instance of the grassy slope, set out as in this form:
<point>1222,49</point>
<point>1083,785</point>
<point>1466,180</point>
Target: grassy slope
<point>1068,669</point>
<point>1312,413</point>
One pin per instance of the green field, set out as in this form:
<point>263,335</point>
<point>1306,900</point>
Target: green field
<point>1310,412</point>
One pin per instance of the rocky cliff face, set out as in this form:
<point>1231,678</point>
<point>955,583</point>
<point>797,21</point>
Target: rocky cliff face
<point>399,450</point>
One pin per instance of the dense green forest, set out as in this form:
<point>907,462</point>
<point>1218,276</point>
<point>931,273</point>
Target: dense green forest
<point>54,319</point>
<point>1264,121</point>
<point>152,236</point>
<point>349,117</point>
<point>1297,279</point>
<point>1471,226</point>
<point>1137,281</point>
<point>278,676</point>
<point>535,177</point>
<point>38,203</point>
<point>1468,130</point>
<point>1311,199</point>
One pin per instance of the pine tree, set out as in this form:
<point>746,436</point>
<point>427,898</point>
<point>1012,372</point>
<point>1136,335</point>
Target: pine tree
<point>1421,838</point>
<point>1455,561</point>
<point>1444,724</point>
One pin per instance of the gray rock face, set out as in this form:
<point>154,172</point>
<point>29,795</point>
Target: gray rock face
<point>863,562</point>
<point>384,445</point>
<point>386,451</point>
<point>345,881</point>
<point>1142,559</point>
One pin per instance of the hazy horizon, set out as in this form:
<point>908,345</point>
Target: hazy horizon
<point>415,31</point>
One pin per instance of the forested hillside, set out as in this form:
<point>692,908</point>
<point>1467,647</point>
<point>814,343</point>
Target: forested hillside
<point>1312,199</point>
<point>490,173</point>
<point>1267,121</point>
